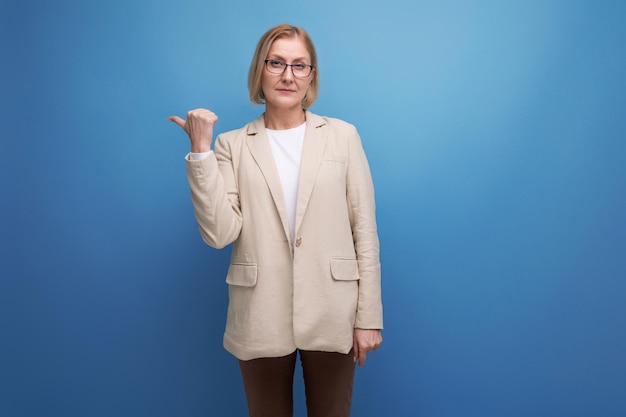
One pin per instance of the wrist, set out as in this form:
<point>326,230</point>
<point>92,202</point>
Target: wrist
<point>200,147</point>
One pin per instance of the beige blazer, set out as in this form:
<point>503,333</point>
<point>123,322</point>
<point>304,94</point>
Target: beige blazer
<point>308,294</point>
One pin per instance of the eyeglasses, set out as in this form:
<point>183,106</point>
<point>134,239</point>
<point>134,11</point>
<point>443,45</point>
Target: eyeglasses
<point>298,70</point>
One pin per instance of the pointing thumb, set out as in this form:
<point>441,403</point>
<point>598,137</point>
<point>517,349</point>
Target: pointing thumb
<point>180,122</point>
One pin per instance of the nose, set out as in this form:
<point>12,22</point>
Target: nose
<point>287,74</point>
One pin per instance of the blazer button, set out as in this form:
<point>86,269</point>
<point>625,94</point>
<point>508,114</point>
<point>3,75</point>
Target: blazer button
<point>298,242</point>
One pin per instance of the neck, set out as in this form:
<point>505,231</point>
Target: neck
<point>282,120</point>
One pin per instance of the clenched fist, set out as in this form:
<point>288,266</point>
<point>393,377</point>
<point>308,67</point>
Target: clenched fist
<point>199,128</point>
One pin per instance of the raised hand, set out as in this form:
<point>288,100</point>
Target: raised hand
<point>199,128</point>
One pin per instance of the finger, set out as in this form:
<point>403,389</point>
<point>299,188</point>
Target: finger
<point>362,357</point>
<point>180,122</point>
<point>355,348</point>
<point>360,351</point>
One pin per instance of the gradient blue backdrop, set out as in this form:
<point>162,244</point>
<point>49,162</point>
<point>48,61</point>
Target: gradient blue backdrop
<point>495,132</point>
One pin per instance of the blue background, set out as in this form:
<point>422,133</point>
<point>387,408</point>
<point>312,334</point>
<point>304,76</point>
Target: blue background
<point>495,133</point>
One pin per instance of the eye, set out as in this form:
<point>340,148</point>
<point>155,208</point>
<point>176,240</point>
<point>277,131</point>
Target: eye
<point>276,63</point>
<point>299,67</point>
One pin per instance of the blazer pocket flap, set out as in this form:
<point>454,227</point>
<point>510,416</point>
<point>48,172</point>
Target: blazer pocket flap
<point>243,275</point>
<point>344,269</point>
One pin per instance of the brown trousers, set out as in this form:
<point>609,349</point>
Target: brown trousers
<point>328,379</point>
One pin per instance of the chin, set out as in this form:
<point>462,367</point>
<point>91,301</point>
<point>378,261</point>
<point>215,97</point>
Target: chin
<point>284,104</point>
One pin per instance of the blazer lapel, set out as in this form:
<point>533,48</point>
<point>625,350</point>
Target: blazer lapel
<point>312,154</point>
<point>260,149</point>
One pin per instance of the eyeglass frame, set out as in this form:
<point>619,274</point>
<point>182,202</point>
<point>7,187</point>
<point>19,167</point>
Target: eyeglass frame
<point>311,68</point>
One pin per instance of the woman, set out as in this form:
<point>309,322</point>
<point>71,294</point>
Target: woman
<point>293,191</point>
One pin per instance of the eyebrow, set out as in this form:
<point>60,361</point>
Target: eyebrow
<point>280,58</point>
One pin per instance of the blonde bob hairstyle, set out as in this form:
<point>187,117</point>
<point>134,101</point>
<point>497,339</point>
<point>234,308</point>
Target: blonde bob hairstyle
<point>260,55</point>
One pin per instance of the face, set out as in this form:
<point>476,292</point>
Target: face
<point>284,91</point>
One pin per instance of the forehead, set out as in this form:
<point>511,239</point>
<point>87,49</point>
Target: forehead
<point>289,48</point>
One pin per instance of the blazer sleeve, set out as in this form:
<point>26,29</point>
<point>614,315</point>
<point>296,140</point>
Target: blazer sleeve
<point>215,195</point>
<point>362,212</point>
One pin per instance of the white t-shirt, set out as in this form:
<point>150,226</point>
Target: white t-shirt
<point>287,150</point>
